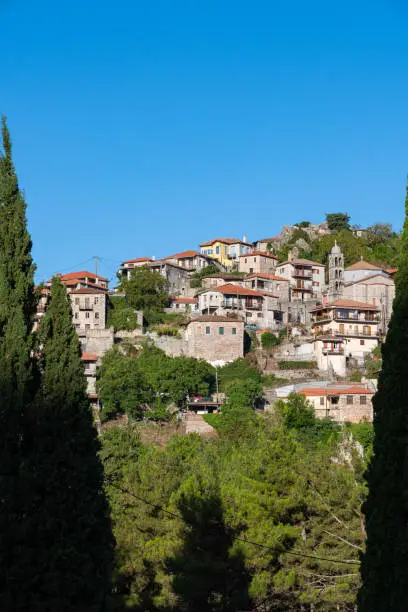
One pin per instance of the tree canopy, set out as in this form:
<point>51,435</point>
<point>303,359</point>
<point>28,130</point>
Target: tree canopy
<point>146,290</point>
<point>338,221</point>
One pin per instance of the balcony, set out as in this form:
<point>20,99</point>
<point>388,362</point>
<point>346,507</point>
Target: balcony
<point>86,307</point>
<point>302,274</point>
<point>346,333</point>
<point>241,305</point>
<point>328,351</point>
<point>363,319</point>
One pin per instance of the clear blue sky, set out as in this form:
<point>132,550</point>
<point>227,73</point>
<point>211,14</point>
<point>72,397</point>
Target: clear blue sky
<point>145,127</point>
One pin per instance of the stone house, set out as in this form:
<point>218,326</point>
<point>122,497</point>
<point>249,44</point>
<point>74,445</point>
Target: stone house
<point>215,338</point>
<point>226,250</point>
<point>257,261</point>
<point>307,278</point>
<point>90,366</point>
<point>277,285</point>
<point>192,260</point>
<point>89,308</point>
<point>343,402</point>
<point>356,323</point>
<point>262,245</point>
<point>177,277</point>
<point>84,279</point>
<point>258,309</point>
<point>377,289</point>
<point>127,266</point>
<point>216,280</point>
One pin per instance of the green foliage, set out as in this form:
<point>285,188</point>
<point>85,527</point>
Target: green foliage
<point>196,280</point>
<point>338,221</point>
<point>66,520</point>
<point>384,563</point>
<point>146,290</point>
<point>297,234</point>
<point>373,363</point>
<point>297,365</point>
<point>271,380</point>
<point>363,433</point>
<point>268,340</point>
<point>133,384</point>
<point>120,315</point>
<point>165,330</point>
<point>355,376</point>
<point>244,393</point>
<point>304,224</point>
<point>237,370</point>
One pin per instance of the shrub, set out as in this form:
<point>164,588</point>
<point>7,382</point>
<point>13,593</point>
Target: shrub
<point>268,340</point>
<point>297,365</point>
<point>166,330</point>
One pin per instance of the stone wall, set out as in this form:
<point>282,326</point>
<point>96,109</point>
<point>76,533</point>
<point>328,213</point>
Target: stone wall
<point>215,339</point>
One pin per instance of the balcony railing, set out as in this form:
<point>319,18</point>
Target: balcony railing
<point>302,273</point>
<point>242,305</point>
<point>347,332</point>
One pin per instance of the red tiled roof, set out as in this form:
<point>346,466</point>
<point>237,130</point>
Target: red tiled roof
<point>82,275</point>
<point>301,262</point>
<point>87,290</point>
<point>321,391</point>
<point>89,356</point>
<point>261,253</point>
<point>181,300</point>
<point>346,304</point>
<point>235,290</point>
<point>268,276</point>
<point>225,241</point>
<point>363,265</point>
<point>392,271</point>
<point>137,260</point>
<point>184,255</point>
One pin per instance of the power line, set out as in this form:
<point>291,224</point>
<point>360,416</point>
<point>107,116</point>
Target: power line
<point>245,540</point>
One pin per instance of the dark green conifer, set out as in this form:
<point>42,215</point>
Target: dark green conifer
<point>17,308</point>
<point>67,545</point>
<point>384,567</point>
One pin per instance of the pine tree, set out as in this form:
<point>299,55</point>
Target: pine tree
<point>67,542</point>
<point>384,567</point>
<point>17,308</point>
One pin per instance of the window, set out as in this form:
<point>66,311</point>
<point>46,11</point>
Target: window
<point>177,305</point>
<point>76,315</point>
<point>87,326</point>
<point>87,315</point>
<point>246,260</point>
<point>217,250</point>
<point>322,401</point>
<point>254,259</point>
<point>251,270</point>
<point>76,301</point>
<point>207,331</point>
<point>259,315</point>
<point>349,399</point>
<point>362,342</point>
<point>363,399</point>
<point>96,300</point>
<point>96,315</point>
<point>234,331</point>
<point>226,250</point>
<point>86,302</point>
<point>221,331</point>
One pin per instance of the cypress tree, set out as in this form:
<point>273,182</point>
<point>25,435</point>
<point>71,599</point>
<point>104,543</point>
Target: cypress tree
<point>384,566</point>
<point>68,541</point>
<point>17,308</point>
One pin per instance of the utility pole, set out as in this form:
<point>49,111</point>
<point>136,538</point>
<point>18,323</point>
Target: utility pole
<point>96,258</point>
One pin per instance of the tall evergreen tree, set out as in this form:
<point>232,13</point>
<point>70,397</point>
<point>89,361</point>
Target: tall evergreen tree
<point>17,308</point>
<point>67,545</point>
<point>384,567</point>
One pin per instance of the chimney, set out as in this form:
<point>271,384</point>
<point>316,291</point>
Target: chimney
<point>153,258</point>
<point>244,238</point>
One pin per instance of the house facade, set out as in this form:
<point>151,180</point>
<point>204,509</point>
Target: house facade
<point>271,283</point>
<point>89,308</point>
<point>377,289</point>
<point>361,269</point>
<point>127,266</point>
<point>257,261</point>
<point>183,304</point>
<point>307,278</point>
<point>226,250</point>
<point>215,338</point>
<point>355,322</point>
<point>216,280</point>
<point>192,260</point>
<point>178,278</point>
<point>343,402</point>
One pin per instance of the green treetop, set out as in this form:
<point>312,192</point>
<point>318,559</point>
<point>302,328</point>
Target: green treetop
<point>338,221</point>
<point>66,542</point>
<point>384,566</point>
<point>146,290</point>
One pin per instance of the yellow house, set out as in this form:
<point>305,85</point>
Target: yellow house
<point>226,250</point>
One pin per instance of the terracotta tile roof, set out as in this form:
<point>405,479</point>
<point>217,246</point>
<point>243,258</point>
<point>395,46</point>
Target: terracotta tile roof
<point>260,253</point>
<point>268,276</point>
<point>225,241</point>
<point>363,265</point>
<point>301,262</point>
<point>82,275</point>
<point>88,291</point>
<point>392,271</point>
<point>184,255</point>
<point>328,392</point>
<point>182,300</point>
<point>226,276</point>
<point>137,260</point>
<point>215,319</point>
<point>346,304</point>
<point>235,290</point>
<point>89,356</point>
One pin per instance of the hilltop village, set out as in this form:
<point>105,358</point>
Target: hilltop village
<point>320,322</point>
